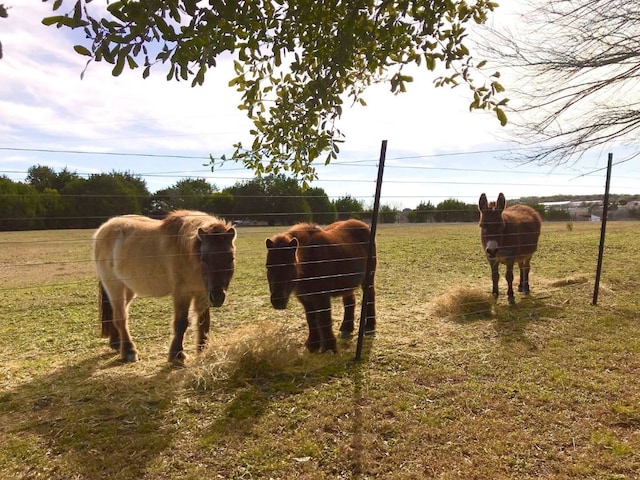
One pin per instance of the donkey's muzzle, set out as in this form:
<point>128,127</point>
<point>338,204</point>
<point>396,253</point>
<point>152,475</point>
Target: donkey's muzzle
<point>491,253</point>
<point>217,298</point>
<point>279,303</point>
<point>491,249</point>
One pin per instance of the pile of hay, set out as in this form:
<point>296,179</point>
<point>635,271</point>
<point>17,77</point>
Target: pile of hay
<point>462,304</point>
<point>258,351</point>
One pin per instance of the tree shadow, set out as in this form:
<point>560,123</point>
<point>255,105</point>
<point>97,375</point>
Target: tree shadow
<point>86,423</point>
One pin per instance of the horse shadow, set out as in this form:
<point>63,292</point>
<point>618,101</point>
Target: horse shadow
<point>73,412</point>
<point>250,398</point>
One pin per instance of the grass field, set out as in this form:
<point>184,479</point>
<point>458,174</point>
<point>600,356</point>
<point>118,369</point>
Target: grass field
<point>452,386</point>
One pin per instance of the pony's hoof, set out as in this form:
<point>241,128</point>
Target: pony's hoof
<point>178,363</point>
<point>329,346</point>
<point>345,335</point>
<point>131,357</point>
<point>512,301</point>
<point>312,347</point>
<point>178,359</point>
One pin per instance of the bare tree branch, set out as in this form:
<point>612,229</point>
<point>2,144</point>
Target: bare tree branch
<point>577,70</point>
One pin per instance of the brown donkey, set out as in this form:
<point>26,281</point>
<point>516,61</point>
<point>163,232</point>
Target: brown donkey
<point>318,264</point>
<point>509,235</point>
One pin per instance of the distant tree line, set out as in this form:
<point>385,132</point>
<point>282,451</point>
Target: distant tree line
<point>53,200</point>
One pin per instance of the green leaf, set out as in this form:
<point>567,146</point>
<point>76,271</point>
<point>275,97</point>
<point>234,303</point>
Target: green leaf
<point>119,67</point>
<point>82,50</point>
<point>502,117</point>
<point>48,21</point>
<point>131,62</point>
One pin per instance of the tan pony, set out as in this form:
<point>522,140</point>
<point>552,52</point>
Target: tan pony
<point>318,264</point>
<point>189,255</point>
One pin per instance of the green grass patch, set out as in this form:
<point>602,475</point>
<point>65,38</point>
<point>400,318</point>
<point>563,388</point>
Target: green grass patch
<point>454,384</point>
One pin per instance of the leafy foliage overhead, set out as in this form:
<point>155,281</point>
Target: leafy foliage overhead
<point>296,63</point>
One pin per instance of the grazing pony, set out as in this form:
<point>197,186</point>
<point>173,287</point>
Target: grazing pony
<point>189,255</point>
<point>509,235</point>
<point>318,264</point>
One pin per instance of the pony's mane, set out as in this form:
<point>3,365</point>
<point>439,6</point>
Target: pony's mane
<point>183,226</point>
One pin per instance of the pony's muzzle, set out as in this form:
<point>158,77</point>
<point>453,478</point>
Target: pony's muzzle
<point>217,298</point>
<point>279,303</point>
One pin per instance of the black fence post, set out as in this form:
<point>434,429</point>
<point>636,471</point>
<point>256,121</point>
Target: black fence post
<point>603,228</point>
<point>368,271</point>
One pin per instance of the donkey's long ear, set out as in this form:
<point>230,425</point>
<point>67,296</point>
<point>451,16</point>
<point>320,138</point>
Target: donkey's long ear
<point>502,202</point>
<point>483,204</point>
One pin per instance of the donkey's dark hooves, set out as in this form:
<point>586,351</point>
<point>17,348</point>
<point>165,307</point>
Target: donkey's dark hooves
<point>346,335</point>
<point>512,301</point>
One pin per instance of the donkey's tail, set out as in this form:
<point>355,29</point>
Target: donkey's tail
<point>106,311</point>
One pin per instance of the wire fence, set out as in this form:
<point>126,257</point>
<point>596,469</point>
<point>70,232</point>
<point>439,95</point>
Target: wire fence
<point>67,256</point>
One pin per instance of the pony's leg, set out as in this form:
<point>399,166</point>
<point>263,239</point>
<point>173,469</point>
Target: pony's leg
<point>204,323</point>
<point>495,276</point>
<point>314,339</point>
<point>323,319</point>
<point>108,329</point>
<point>120,302</point>
<point>349,302</point>
<point>509,277</point>
<point>180,324</point>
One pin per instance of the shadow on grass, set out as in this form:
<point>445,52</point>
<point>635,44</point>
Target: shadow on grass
<point>512,321</point>
<point>99,418</point>
<point>81,422</point>
<point>255,382</point>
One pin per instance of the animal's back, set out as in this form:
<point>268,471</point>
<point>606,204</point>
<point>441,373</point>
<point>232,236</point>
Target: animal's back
<point>333,259</point>
<point>522,229</point>
<point>150,257</point>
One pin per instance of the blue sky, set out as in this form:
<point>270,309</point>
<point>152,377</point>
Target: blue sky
<point>165,131</point>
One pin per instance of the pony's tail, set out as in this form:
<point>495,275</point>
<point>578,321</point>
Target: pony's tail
<point>106,312</point>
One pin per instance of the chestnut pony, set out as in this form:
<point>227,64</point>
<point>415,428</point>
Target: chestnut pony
<point>509,235</point>
<point>189,255</point>
<point>318,264</point>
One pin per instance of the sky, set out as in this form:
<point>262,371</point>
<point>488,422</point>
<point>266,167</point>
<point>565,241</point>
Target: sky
<point>166,131</point>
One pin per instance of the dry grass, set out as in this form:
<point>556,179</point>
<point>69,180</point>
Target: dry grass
<point>463,303</point>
